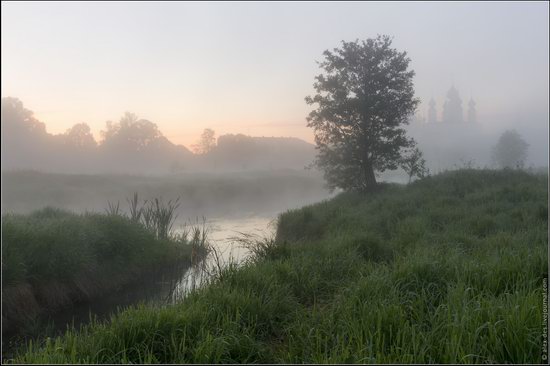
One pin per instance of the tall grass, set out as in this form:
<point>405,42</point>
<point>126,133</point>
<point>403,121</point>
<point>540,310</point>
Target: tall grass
<point>113,209</point>
<point>155,215</point>
<point>164,216</point>
<point>53,258</point>
<point>446,270</point>
<point>135,211</point>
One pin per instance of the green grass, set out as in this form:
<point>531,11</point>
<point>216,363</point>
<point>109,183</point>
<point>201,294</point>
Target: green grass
<point>52,258</point>
<point>447,269</point>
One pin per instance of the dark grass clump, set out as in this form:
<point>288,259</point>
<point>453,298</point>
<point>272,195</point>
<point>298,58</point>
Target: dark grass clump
<point>52,258</point>
<point>449,269</point>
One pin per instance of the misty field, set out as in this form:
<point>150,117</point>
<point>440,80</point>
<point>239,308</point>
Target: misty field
<point>447,269</point>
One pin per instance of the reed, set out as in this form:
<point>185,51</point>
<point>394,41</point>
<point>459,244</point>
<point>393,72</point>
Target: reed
<point>113,209</point>
<point>155,215</point>
<point>164,216</point>
<point>135,211</point>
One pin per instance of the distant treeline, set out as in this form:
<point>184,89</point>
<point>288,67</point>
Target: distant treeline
<point>135,145</point>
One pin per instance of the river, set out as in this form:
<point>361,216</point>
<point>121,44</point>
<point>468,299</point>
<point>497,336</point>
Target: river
<point>224,235</point>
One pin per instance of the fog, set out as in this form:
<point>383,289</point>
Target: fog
<point>233,68</point>
<point>239,175</point>
<point>133,145</point>
<point>452,144</point>
<point>227,195</point>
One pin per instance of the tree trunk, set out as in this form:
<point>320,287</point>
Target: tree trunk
<point>370,178</point>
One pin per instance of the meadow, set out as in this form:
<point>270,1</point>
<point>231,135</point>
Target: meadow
<point>448,269</point>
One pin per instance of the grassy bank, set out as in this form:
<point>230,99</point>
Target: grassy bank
<point>448,269</point>
<point>54,258</point>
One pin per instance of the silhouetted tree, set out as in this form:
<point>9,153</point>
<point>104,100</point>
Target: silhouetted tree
<point>80,136</point>
<point>131,133</point>
<point>364,97</point>
<point>137,145</point>
<point>510,150</point>
<point>25,142</point>
<point>414,164</point>
<point>206,143</point>
<point>18,119</point>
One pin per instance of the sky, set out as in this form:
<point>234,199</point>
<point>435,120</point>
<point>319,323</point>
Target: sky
<point>244,67</point>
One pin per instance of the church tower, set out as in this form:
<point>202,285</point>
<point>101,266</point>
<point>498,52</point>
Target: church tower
<point>472,114</point>
<point>432,113</point>
<point>452,109</point>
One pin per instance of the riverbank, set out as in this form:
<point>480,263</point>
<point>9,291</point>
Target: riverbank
<point>448,269</point>
<point>53,259</point>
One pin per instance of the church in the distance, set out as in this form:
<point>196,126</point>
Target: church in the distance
<point>452,110</point>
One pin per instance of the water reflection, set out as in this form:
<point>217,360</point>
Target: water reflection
<point>225,248</point>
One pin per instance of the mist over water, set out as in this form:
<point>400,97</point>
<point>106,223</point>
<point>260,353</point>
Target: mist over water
<point>214,196</point>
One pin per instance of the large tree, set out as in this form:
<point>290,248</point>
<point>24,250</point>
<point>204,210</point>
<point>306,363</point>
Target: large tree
<point>363,98</point>
<point>206,143</point>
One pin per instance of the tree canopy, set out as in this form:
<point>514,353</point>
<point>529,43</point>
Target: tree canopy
<point>17,119</point>
<point>364,96</point>
<point>80,137</point>
<point>510,150</point>
<point>206,143</point>
<point>131,133</point>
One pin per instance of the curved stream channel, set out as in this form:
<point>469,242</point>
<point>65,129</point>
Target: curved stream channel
<point>161,288</point>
